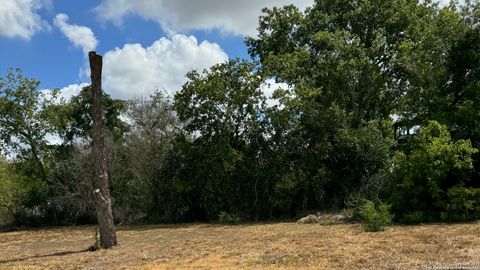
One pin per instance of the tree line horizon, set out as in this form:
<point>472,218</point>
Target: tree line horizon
<point>217,148</point>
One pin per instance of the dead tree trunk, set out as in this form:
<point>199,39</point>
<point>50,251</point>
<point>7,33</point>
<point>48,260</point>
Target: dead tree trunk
<point>103,203</point>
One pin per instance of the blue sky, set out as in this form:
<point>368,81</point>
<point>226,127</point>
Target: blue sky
<point>48,39</point>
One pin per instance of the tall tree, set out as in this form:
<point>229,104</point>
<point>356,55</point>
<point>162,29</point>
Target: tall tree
<point>222,145</point>
<point>338,57</point>
<point>27,119</point>
<point>103,202</point>
<point>135,161</point>
<point>441,63</point>
<point>344,51</point>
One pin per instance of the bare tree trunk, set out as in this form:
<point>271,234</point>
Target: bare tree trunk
<point>103,203</point>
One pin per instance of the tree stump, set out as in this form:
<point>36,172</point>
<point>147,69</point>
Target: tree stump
<point>103,202</point>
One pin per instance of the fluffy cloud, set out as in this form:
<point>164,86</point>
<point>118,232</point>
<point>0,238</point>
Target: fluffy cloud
<point>134,71</point>
<point>65,93</point>
<point>237,17</point>
<point>72,90</point>
<point>19,18</point>
<point>81,36</point>
<point>268,87</point>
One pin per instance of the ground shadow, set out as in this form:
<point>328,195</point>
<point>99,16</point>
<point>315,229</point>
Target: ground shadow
<point>62,253</point>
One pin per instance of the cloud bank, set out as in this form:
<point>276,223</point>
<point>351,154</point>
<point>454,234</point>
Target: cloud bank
<point>235,17</point>
<point>135,70</point>
<point>19,18</point>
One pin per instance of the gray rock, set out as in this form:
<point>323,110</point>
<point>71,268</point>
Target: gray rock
<point>309,219</point>
<point>339,219</point>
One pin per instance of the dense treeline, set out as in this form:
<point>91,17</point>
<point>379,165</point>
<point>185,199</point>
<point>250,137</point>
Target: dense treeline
<point>381,103</point>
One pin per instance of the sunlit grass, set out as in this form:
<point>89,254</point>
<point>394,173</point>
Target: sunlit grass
<point>263,246</point>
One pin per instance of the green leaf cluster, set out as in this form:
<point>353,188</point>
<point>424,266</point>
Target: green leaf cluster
<point>423,176</point>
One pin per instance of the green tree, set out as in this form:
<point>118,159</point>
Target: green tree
<point>440,63</point>
<point>338,57</point>
<point>26,119</point>
<point>344,50</point>
<point>76,119</point>
<point>423,176</point>
<point>222,114</point>
<point>136,161</point>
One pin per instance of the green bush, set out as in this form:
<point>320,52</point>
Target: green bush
<point>375,217</point>
<point>413,217</point>
<point>463,204</point>
<point>423,174</point>
<point>353,204</point>
<point>12,193</point>
<point>226,218</point>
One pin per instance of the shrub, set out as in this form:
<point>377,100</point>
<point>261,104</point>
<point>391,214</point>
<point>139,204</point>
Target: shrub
<point>413,217</point>
<point>423,173</point>
<point>375,217</point>
<point>226,218</point>
<point>463,204</point>
<point>13,191</point>
<point>353,205</point>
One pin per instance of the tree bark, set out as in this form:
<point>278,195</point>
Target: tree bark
<point>103,203</point>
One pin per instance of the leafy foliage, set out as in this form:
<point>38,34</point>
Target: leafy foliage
<point>12,193</point>
<point>215,163</point>
<point>462,204</point>
<point>423,176</point>
<point>25,118</point>
<point>375,217</point>
<point>227,218</point>
<point>76,121</point>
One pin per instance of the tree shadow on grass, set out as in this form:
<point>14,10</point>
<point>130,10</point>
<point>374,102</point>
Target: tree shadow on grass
<point>62,253</point>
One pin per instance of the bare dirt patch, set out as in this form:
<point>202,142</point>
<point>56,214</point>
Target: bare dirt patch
<point>263,246</point>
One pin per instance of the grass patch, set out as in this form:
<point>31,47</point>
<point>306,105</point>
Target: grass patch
<point>258,246</point>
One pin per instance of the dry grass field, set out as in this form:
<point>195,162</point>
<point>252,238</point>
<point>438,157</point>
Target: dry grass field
<point>261,246</point>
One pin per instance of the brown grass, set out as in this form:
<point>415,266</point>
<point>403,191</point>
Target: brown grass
<point>265,246</point>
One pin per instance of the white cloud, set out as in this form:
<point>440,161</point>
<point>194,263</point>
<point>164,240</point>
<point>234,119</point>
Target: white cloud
<point>65,93</point>
<point>53,139</point>
<point>237,17</point>
<point>268,87</point>
<point>19,18</point>
<point>134,71</point>
<point>72,90</point>
<point>81,36</point>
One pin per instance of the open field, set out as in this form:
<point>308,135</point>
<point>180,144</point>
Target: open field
<point>263,246</point>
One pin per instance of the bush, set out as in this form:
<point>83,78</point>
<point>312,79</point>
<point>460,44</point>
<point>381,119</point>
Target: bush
<point>375,218</point>
<point>463,204</point>
<point>423,173</point>
<point>12,192</point>
<point>413,217</point>
<point>353,205</point>
<point>226,218</point>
